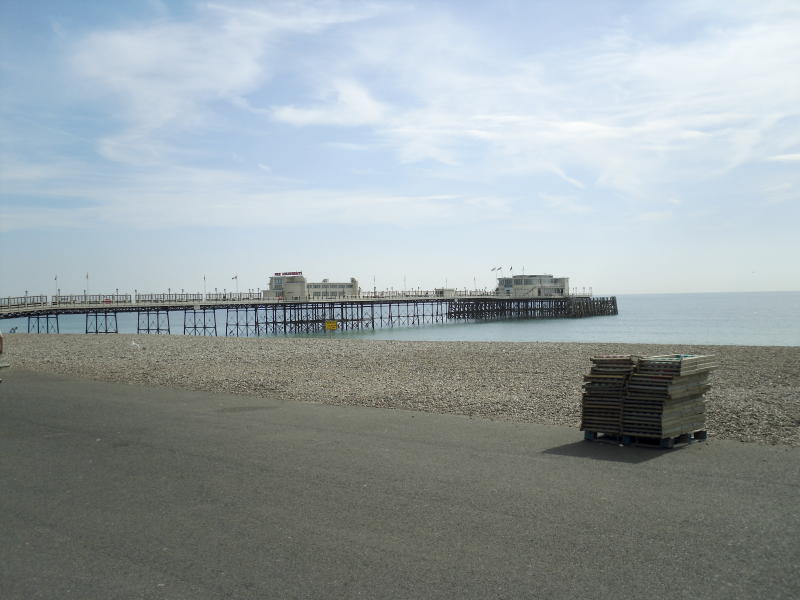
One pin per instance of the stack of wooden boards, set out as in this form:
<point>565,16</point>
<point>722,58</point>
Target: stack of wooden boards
<point>657,397</point>
<point>604,390</point>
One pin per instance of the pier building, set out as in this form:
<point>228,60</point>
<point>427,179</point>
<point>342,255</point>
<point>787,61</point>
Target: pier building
<point>532,286</point>
<point>332,290</point>
<point>292,285</point>
<point>444,292</point>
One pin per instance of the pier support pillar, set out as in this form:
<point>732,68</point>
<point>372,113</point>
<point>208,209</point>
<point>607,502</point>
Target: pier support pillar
<point>241,321</point>
<point>101,321</point>
<point>43,324</point>
<point>153,321</point>
<point>199,321</point>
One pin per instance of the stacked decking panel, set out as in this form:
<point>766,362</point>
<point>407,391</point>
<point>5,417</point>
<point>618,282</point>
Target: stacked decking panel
<point>604,391</point>
<point>665,396</point>
<point>676,364</point>
<point>662,396</point>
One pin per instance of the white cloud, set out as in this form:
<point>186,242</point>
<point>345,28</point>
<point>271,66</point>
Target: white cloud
<point>654,216</point>
<point>630,111</point>
<point>780,193</point>
<point>627,112</point>
<point>181,197</point>
<point>167,75</point>
<point>566,204</point>
<point>352,104</point>
<point>165,72</point>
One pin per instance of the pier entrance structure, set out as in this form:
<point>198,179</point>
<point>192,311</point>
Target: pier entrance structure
<point>253,317</point>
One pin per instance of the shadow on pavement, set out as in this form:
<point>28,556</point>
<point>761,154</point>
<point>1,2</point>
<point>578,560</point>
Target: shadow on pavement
<point>606,451</point>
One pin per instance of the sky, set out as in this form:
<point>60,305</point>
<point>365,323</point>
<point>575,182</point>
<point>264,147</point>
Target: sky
<point>632,146</point>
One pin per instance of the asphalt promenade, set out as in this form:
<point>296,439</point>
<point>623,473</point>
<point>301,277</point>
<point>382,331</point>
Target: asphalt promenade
<point>123,491</point>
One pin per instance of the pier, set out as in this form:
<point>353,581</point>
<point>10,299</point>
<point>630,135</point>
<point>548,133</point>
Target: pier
<point>247,317</point>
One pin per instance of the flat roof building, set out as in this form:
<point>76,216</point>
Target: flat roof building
<point>532,286</point>
<point>292,285</point>
<point>333,289</point>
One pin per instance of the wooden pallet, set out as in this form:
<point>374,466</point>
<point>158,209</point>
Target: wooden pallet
<point>640,441</point>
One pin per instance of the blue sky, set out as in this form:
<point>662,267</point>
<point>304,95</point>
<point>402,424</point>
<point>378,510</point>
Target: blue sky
<point>631,146</point>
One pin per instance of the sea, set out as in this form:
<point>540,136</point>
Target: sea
<point>743,318</point>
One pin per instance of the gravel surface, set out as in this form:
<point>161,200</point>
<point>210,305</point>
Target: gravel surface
<point>755,394</point>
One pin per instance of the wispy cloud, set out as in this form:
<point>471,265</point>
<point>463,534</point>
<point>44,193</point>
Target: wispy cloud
<point>654,216</point>
<point>566,204</point>
<point>168,75</point>
<point>444,118</point>
<point>630,113</point>
<point>352,104</point>
<point>181,197</point>
<point>624,112</point>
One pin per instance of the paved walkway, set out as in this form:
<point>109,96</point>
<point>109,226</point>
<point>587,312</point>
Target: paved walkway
<point>121,491</point>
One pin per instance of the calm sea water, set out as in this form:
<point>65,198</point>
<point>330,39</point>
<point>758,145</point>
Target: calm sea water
<point>759,319</point>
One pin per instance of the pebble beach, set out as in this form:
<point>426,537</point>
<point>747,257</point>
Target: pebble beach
<point>755,394</point>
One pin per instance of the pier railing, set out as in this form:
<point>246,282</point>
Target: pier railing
<point>29,301</point>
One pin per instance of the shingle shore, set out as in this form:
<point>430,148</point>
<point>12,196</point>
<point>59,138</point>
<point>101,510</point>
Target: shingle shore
<point>755,394</point>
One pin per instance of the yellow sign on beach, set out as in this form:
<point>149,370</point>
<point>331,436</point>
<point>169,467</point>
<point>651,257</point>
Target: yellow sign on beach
<point>331,325</point>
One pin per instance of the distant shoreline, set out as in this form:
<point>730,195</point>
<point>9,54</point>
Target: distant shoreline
<point>755,395</point>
